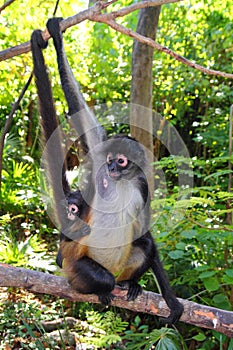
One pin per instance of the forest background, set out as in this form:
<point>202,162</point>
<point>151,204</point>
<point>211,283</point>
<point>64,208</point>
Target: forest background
<point>196,244</point>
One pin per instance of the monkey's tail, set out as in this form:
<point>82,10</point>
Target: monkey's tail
<point>55,157</point>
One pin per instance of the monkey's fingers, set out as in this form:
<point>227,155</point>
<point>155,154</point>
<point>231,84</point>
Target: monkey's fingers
<point>106,299</point>
<point>134,289</point>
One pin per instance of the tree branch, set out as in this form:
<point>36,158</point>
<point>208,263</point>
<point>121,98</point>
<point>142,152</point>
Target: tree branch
<point>7,3</point>
<point>94,13</point>
<point>148,302</point>
<point>78,18</point>
<point>7,125</point>
<point>109,20</point>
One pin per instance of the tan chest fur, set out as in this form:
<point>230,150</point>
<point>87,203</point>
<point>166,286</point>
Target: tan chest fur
<point>113,228</point>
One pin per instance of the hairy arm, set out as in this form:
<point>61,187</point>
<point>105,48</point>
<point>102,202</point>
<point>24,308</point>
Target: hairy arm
<point>84,121</point>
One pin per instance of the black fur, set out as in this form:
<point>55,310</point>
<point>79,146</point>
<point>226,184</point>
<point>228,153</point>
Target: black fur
<point>55,157</point>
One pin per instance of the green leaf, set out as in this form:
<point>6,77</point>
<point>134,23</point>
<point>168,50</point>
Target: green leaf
<point>167,344</point>
<point>229,272</point>
<point>199,337</point>
<point>228,279</point>
<point>211,284</point>
<point>221,301</point>
<point>176,254</point>
<point>181,245</point>
<point>207,274</point>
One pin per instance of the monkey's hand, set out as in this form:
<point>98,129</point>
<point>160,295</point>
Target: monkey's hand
<point>85,229</point>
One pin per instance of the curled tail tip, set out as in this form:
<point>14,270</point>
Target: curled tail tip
<point>37,39</point>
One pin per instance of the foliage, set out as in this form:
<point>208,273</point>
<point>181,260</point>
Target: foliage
<point>21,212</point>
<point>20,322</point>
<point>158,339</point>
<point>194,238</point>
<point>106,329</point>
<point>31,253</point>
<point>197,104</point>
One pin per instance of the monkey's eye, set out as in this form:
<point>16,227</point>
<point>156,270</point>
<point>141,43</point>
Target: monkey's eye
<point>109,158</point>
<point>122,160</point>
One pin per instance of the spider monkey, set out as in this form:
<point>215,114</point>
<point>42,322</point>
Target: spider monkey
<point>119,247</point>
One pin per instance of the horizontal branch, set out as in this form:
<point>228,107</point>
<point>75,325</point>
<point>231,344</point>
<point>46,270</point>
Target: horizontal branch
<point>80,17</point>
<point>94,13</point>
<point>148,302</point>
<point>140,5</point>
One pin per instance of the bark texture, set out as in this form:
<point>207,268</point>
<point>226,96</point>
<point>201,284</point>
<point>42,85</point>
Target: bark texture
<point>148,302</point>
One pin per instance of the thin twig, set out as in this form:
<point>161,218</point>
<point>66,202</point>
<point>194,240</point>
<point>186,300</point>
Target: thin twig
<point>56,7</point>
<point>8,124</point>
<point>208,228</point>
<point>229,204</point>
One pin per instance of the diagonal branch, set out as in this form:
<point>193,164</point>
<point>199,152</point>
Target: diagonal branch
<point>109,20</point>
<point>66,23</point>
<point>7,125</point>
<point>151,303</point>
<point>7,3</point>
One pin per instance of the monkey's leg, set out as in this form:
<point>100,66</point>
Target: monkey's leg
<point>138,263</point>
<point>87,276</point>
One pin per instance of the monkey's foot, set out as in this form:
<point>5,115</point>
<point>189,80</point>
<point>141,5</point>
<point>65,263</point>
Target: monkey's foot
<point>134,289</point>
<point>106,299</point>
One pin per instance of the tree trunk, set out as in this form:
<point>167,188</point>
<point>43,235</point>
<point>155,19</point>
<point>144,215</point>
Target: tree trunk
<point>141,86</point>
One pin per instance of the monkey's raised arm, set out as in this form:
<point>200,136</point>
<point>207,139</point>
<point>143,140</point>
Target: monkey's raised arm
<point>85,122</point>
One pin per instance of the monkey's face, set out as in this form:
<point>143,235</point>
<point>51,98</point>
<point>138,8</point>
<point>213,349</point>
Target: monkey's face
<point>74,205</point>
<point>123,157</point>
<point>117,165</point>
